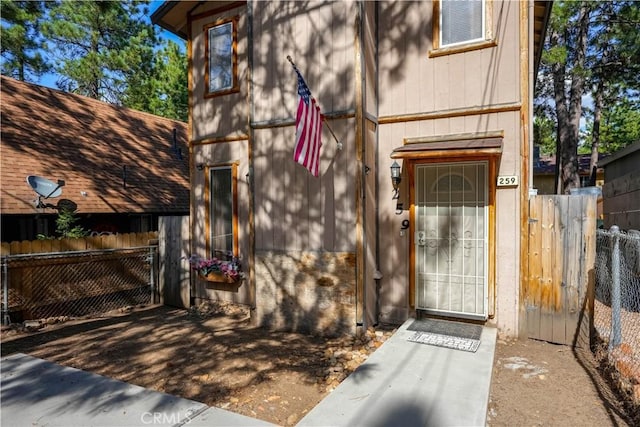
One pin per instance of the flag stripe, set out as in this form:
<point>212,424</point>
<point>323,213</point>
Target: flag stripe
<point>308,129</point>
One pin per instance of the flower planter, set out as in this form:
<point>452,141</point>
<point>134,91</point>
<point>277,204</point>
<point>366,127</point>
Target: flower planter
<point>217,277</point>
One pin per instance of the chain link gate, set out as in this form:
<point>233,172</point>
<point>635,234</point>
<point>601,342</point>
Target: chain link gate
<point>73,284</point>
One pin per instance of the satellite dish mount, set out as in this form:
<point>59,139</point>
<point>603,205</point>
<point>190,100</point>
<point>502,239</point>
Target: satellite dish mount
<point>45,189</point>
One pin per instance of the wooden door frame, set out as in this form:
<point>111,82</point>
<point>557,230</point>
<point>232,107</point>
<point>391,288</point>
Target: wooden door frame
<point>492,174</point>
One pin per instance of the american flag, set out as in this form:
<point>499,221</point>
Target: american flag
<point>308,129</point>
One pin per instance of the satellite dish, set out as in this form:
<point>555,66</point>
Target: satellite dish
<point>44,187</point>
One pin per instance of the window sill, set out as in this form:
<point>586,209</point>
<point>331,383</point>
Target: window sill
<point>462,48</point>
<point>234,89</point>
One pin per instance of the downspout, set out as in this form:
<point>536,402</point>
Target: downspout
<point>377,274</point>
<point>361,243</point>
<point>192,173</point>
<point>250,95</point>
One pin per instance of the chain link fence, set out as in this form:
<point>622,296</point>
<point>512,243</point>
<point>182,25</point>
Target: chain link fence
<point>617,305</point>
<point>47,286</point>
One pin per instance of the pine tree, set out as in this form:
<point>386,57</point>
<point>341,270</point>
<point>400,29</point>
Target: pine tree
<point>592,48</point>
<point>21,39</point>
<point>100,46</point>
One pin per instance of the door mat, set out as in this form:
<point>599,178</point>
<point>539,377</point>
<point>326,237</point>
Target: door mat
<point>464,344</point>
<point>443,333</point>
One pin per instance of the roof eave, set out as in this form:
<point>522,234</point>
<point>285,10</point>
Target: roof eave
<point>158,18</point>
<point>544,17</point>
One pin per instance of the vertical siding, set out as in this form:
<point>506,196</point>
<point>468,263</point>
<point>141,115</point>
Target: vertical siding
<point>370,147</point>
<point>370,59</point>
<point>394,262</point>
<point>211,155</point>
<point>295,211</point>
<point>226,114</point>
<point>319,38</point>
<point>394,247</point>
<point>414,82</point>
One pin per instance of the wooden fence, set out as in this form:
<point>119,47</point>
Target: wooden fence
<point>174,278</point>
<point>557,296</point>
<point>113,241</point>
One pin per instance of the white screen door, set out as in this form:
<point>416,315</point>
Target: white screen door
<point>450,239</point>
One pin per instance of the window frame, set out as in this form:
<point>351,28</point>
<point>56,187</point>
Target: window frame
<point>208,93</point>
<point>481,43</point>
<point>233,167</point>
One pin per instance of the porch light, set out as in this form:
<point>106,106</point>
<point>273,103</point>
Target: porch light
<point>395,175</point>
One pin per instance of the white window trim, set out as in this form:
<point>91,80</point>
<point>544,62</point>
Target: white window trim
<point>483,42</point>
<point>483,30</point>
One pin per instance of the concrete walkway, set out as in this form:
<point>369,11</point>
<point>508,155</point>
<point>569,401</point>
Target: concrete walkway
<point>35,392</point>
<point>410,384</point>
<point>402,384</point>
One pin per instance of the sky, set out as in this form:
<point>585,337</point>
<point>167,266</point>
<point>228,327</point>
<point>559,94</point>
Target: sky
<point>49,79</point>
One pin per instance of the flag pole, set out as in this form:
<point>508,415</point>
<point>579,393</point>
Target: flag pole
<point>324,120</point>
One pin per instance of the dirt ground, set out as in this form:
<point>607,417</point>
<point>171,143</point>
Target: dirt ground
<point>213,355</point>
<point>541,384</point>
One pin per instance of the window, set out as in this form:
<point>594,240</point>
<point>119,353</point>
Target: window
<point>461,25</point>
<point>461,21</point>
<point>221,73</point>
<point>222,211</point>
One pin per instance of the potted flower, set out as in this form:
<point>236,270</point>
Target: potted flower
<point>216,269</point>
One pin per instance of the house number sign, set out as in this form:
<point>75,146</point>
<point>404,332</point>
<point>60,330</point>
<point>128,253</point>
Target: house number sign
<point>508,181</point>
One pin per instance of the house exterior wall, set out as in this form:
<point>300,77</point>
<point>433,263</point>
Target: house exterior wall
<point>321,243</point>
<point>413,82</point>
<point>224,115</point>
<point>304,239</point>
<point>212,155</point>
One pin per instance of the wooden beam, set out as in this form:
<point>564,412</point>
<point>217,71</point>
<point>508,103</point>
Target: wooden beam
<point>524,163</point>
<point>454,112</point>
<point>218,139</point>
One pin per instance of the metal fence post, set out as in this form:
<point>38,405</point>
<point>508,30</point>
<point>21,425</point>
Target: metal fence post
<point>616,327</point>
<point>5,293</point>
<point>152,258</point>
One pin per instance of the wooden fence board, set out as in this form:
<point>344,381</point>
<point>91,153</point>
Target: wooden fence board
<point>174,277</point>
<point>114,241</point>
<point>587,275</point>
<point>571,280</point>
<point>561,262</point>
<point>532,293</point>
<point>560,247</point>
<point>546,274</point>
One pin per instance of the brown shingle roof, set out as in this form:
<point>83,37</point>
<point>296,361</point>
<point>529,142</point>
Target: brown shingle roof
<point>88,143</point>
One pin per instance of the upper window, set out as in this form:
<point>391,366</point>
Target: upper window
<point>461,21</point>
<point>461,25</point>
<point>221,73</point>
<point>222,215</point>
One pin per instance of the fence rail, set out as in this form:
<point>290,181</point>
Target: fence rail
<point>76,283</point>
<point>112,241</point>
<point>617,303</point>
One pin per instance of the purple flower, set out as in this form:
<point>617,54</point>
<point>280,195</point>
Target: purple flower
<point>230,267</point>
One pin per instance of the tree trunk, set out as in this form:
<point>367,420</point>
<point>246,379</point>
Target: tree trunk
<point>595,136</point>
<point>569,120</point>
<point>562,115</point>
